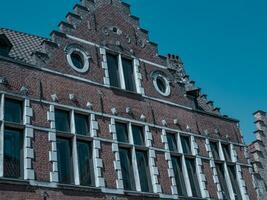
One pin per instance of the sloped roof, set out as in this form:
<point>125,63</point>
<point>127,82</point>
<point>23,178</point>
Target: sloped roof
<point>23,44</point>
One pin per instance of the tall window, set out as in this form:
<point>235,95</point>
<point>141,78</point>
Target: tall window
<point>133,155</point>
<point>226,170</point>
<point>182,156</point>
<point>68,138</point>
<point>121,72</point>
<point>13,139</point>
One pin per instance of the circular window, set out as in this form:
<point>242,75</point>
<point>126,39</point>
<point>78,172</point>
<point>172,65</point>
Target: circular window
<point>78,60</point>
<point>161,84</point>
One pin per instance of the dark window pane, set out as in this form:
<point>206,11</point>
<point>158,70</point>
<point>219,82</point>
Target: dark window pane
<point>179,177</point>
<point>232,173</point>
<point>143,169</point>
<point>13,110</point>
<point>226,152</point>
<point>138,135</point>
<point>13,156</point>
<point>113,70</point>
<point>64,156</point>
<point>127,169</point>
<point>220,172</point>
<point>85,163</point>
<point>128,72</point>
<point>186,144</point>
<point>77,59</point>
<point>62,119</point>
<point>214,150</point>
<point>172,142</point>
<point>81,124</point>
<point>161,84</point>
<point>122,132</point>
<point>191,169</point>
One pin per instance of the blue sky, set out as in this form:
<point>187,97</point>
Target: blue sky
<point>222,43</point>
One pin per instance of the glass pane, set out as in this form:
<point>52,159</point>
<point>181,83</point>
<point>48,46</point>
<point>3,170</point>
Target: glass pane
<point>77,59</point>
<point>179,177</point>
<point>143,169</point>
<point>113,70</point>
<point>85,163</point>
<point>62,119</point>
<point>161,84</point>
<point>128,72</point>
<point>13,146</point>
<point>64,156</point>
<point>13,110</point>
<point>172,142</point>
<point>186,144</point>
<point>220,172</point>
<point>138,135</point>
<point>127,169</point>
<point>122,132</point>
<point>82,124</point>
<point>232,173</point>
<point>226,152</point>
<point>191,169</point>
<point>214,150</point>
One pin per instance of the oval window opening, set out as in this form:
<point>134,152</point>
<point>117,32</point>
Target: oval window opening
<point>161,84</point>
<point>77,59</point>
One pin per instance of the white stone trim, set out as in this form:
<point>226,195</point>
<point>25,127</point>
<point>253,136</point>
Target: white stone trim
<point>84,57</point>
<point>170,166</point>
<point>98,164</point>
<point>104,65</point>
<point>115,150</point>
<point>138,77</point>
<point>214,170</point>
<point>240,179</point>
<point>157,75</point>
<point>154,172</point>
<point>201,176</point>
<point>52,140</point>
<point>27,145</point>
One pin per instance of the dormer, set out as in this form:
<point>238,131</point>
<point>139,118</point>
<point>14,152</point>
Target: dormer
<point>5,45</point>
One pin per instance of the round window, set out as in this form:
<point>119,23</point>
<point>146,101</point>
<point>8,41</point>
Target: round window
<point>78,60</point>
<point>161,83</point>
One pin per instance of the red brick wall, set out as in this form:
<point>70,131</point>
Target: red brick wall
<point>109,172</point>
<point>212,188</point>
<point>249,183</point>
<point>41,164</point>
<point>164,179</point>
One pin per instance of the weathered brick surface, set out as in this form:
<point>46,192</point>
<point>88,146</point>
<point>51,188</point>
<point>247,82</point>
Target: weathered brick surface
<point>41,164</point>
<point>210,182</point>
<point>43,84</point>
<point>249,183</point>
<point>201,147</point>
<point>108,169</point>
<point>164,179</point>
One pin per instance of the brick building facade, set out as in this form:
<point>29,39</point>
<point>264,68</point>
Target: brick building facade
<point>96,113</point>
<point>258,154</point>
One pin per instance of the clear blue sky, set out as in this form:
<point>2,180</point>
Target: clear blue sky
<point>222,43</point>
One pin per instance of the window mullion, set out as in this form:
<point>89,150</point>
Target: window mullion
<point>136,171</point>
<point>122,80</point>
<point>184,168</point>
<point>134,160</point>
<point>74,150</point>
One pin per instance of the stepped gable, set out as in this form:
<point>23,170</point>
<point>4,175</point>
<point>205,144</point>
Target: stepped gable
<point>100,22</point>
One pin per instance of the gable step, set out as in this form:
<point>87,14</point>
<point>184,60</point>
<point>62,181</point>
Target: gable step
<point>73,19</point>
<point>81,10</point>
<point>66,27</point>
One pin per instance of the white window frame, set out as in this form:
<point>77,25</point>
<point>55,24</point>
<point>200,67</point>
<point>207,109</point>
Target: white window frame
<point>85,57</point>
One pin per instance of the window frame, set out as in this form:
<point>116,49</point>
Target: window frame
<point>121,74</point>
<point>133,148</point>
<point>17,126</point>
<point>74,138</point>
